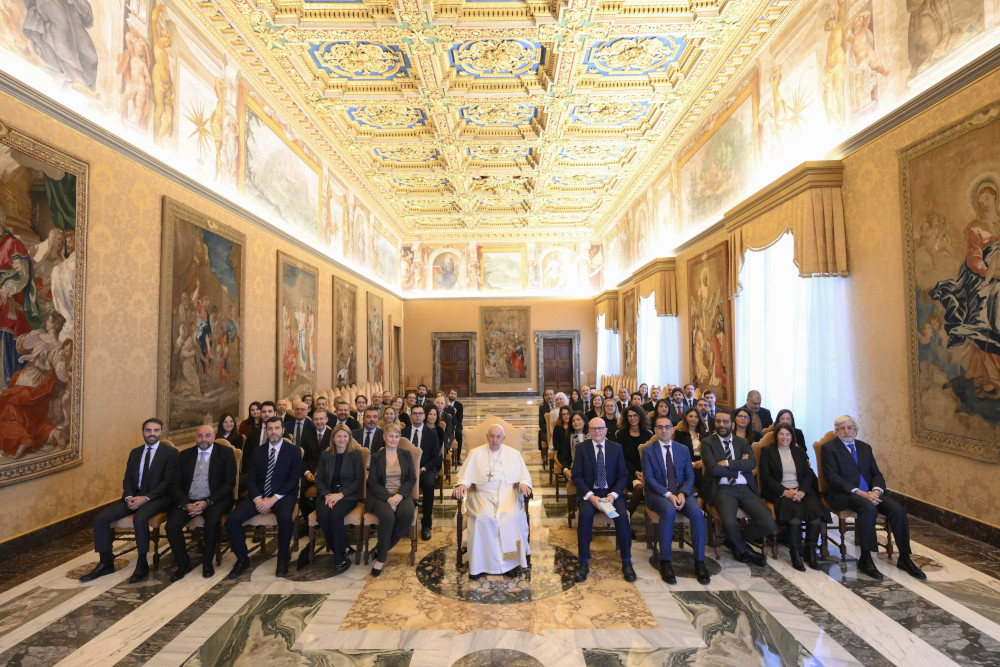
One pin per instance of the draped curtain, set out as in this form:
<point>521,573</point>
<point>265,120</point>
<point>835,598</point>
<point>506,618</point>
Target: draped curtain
<point>608,349</point>
<point>658,345</point>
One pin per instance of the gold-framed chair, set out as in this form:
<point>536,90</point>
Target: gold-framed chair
<point>766,441</point>
<point>196,526</point>
<point>846,519</point>
<point>354,519</point>
<point>370,521</point>
<point>124,528</point>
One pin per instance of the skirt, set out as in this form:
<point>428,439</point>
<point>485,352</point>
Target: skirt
<point>807,509</point>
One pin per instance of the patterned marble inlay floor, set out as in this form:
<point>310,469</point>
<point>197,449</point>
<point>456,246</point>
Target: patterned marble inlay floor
<point>428,615</point>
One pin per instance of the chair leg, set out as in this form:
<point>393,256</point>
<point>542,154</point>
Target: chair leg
<point>824,540</point>
<point>888,539</point>
<point>843,542</point>
<point>155,538</point>
<point>650,527</point>
<point>458,533</point>
<point>295,537</point>
<point>367,531</point>
<point>312,543</point>
<point>413,547</point>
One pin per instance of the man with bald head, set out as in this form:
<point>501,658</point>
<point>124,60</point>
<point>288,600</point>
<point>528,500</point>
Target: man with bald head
<point>494,481</point>
<point>599,475</point>
<point>203,486</point>
<point>760,417</point>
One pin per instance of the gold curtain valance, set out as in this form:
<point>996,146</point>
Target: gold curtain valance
<point>807,202</point>
<point>606,304</point>
<point>659,278</point>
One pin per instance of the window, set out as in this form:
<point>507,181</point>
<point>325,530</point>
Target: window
<point>657,345</point>
<point>608,350</point>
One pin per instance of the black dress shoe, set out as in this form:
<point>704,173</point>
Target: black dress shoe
<point>376,573</point>
<point>476,577</point>
<point>513,572</point>
<point>701,572</point>
<point>582,570</point>
<point>425,533</point>
<point>282,570</point>
<point>182,569</point>
<point>239,568</point>
<point>667,572</point>
<point>906,564</point>
<point>99,571</point>
<point>755,558</point>
<point>867,566</point>
<point>208,570</point>
<point>141,572</point>
<point>341,567</point>
<point>628,572</point>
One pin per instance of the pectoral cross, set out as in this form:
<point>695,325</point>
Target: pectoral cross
<point>489,476</point>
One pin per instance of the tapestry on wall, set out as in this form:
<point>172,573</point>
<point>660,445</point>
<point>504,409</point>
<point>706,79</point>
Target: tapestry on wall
<point>297,299</point>
<point>43,232</point>
<point>950,188</point>
<point>345,330</point>
<point>505,333</point>
<point>711,321</point>
<point>629,324</point>
<point>201,321</point>
<point>376,345</point>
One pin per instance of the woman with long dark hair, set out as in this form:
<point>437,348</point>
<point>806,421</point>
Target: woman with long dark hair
<point>252,421</point>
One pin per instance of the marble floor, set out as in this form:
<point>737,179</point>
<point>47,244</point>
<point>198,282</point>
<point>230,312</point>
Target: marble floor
<point>432,614</point>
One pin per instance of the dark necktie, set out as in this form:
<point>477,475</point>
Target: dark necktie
<point>368,439</point>
<point>270,471</point>
<point>668,460</point>
<point>147,458</point>
<point>298,434</point>
<point>862,484</point>
<point>416,438</point>
<point>729,450</point>
<point>602,473</point>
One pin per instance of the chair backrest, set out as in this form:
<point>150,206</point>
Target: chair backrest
<point>817,446</point>
<point>365,455</point>
<point>756,455</point>
<point>767,439</point>
<point>414,451</point>
<point>238,455</point>
<point>514,435</point>
<point>167,442</point>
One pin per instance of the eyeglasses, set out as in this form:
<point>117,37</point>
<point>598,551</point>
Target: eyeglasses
<point>662,427</point>
<point>598,428</point>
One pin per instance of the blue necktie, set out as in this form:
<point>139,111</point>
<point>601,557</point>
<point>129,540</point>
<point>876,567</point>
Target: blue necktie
<point>602,475</point>
<point>862,484</point>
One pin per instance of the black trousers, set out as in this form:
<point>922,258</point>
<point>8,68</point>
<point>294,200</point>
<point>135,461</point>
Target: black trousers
<point>331,522</point>
<point>178,517</point>
<point>392,526</point>
<point>246,510</point>
<point>458,440</point>
<point>428,487</point>
<point>867,517</point>
<point>140,519</point>
<point>732,497</point>
<point>585,527</point>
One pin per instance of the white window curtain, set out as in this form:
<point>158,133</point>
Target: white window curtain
<point>793,341</point>
<point>608,350</point>
<point>658,345</point>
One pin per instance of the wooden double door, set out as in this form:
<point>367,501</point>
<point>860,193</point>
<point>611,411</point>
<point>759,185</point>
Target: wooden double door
<point>557,362</point>
<point>455,366</point>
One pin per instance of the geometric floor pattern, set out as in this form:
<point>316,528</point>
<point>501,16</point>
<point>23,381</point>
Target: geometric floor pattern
<point>432,614</point>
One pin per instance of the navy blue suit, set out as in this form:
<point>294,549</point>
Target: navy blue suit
<point>654,474</point>
<point>284,482</point>
<point>430,459</point>
<point>585,479</point>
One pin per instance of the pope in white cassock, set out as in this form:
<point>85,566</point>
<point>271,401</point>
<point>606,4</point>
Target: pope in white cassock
<point>495,481</point>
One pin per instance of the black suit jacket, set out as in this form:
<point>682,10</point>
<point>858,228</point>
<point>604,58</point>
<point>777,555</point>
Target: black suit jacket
<point>459,413</point>
<point>449,424</point>
<point>842,475</point>
<point>543,421</point>
<point>585,468</point>
<point>378,439</point>
<point>158,481</point>
<point>771,472</point>
<point>351,423</point>
<point>287,469</point>
<point>309,444</point>
<point>404,419</point>
<point>221,475</point>
<point>763,414</point>
<point>430,447</point>
<point>376,476</point>
<point>712,452</point>
<point>352,475</point>
<point>675,413</point>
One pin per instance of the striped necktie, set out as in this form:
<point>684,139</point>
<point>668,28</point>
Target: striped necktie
<point>602,473</point>
<point>270,471</point>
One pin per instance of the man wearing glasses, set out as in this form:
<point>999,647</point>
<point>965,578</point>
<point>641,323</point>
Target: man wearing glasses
<point>599,474</point>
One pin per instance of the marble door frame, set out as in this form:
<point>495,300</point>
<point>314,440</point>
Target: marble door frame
<point>540,337</point>
<point>471,337</point>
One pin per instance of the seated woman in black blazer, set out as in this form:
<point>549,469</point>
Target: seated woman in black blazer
<point>633,432</point>
<point>785,416</point>
<point>596,405</point>
<point>565,441</point>
<point>560,434</point>
<point>227,430</point>
<point>787,481</point>
<point>743,425</point>
<point>339,477</point>
<point>690,432</point>
<point>391,478</point>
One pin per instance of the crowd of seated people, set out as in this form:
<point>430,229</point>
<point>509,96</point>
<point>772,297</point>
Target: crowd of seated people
<point>671,449</point>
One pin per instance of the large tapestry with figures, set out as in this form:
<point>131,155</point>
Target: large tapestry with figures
<point>711,325</point>
<point>43,239</point>
<point>298,299</point>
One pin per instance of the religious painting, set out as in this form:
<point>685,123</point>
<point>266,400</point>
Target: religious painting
<point>950,191</point>
<point>595,266</point>
<point>297,305</point>
<point>201,320</point>
<point>558,269</point>
<point>278,174</point>
<point>716,171</point>
<point>385,260</point>
<point>505,349</point>
<point>630,333</point>
<point>43,234</point>
<point>345,333</point>
<point>711,323</point>
<point>375,321</point>
<point>503,269</point>
<point>445,270</point>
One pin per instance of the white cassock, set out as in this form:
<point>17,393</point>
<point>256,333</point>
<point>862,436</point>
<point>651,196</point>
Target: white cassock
<point>494,507</point>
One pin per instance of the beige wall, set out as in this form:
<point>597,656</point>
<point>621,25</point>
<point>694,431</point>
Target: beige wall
<point>121,321</point>
<point>878,319</point>
<point>424,317</point>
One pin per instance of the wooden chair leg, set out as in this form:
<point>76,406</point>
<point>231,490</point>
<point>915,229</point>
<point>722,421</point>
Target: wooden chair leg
<point>367,532</point>
<point>824,540</point>
<point>843,542</point>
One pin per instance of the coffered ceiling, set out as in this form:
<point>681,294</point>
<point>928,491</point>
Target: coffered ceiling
<point>509,119</point>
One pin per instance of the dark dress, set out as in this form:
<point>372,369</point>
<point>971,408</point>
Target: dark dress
<point>338,473</point>
<point>771,489</point>
<point>630,448</point>
<point>684,438</point>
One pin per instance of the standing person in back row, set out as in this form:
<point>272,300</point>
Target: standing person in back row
<point>426,440</point>
<point>459,409</point>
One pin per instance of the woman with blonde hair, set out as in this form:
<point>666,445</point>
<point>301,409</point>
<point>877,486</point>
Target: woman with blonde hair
<point>339,477</point>
<point>391,478</point>
<point>389,418</point>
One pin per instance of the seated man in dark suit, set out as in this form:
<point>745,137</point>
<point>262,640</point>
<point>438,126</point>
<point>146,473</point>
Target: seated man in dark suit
<point>360,404</point>
<point>854,482</point>
<point>369,435</point>
<point>343,416</point>
<point>459,409</point>
<point>600,475</point>
<point>302,431</point>
<point>148,476</point>
<point>272,488</point>
<point>730,485</point>
<point>203,486</point>
<point>760,417</point>
<point>543,416</point>
<point>447,415</point>
<point>676,406</point>
<point>257,438</point>
<point>425,439</point>
<point>668,484</point>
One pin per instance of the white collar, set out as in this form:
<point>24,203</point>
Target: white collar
<point>206,451</point>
